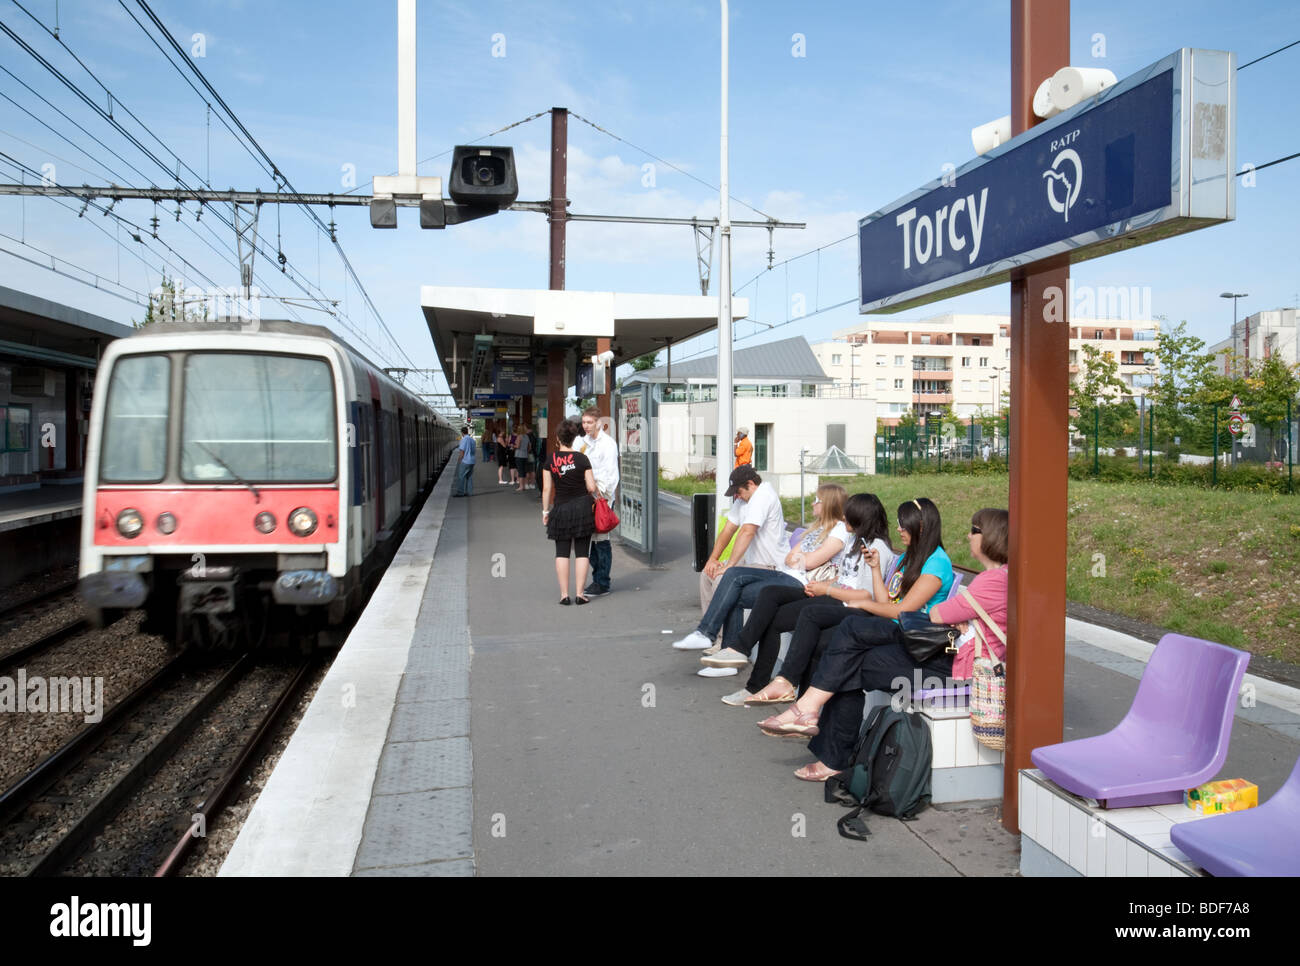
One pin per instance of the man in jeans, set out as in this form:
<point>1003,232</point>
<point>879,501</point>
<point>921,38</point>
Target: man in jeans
<point>465,471</point>
<point>603,453</point>
<point>757,522</point>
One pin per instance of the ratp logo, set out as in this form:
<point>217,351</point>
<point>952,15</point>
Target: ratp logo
<point>1071,181</point>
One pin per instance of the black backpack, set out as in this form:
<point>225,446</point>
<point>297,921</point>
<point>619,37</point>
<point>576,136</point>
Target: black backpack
<point>890,773</point>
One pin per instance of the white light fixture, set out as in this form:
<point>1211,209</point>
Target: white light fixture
<point>988,136</point>
<point>1073,85</point>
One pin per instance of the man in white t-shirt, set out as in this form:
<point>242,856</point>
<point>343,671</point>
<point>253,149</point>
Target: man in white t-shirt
<point>761,541</point>
<point>601,449</point>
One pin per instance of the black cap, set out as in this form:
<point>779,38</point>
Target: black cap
<point>742,474</point>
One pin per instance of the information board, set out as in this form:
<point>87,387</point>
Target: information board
<point>635,410</point>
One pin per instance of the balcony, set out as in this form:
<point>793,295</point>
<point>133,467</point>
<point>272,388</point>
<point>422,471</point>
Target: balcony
<point>931,398</point>
<point>924,372</point>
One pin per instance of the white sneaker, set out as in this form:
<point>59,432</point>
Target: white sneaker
<point>694,641</point>
<point>716,672</point>
<point>713,650</point>
<point>728,657</point>
<point>737,699</point>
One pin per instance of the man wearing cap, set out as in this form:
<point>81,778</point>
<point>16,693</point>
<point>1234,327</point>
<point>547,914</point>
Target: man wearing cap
<point>761,542</point>
<point>744,448</point>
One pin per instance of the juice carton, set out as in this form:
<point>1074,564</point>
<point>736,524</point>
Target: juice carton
<point>1229,795</point>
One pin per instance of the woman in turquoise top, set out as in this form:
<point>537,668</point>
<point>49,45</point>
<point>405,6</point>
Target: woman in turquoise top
<point>867,650</point>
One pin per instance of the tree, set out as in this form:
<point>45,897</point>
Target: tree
<point>168,304</point>
<point>1098,384</point>
<point>1185,370</point>
<point>647,361</point>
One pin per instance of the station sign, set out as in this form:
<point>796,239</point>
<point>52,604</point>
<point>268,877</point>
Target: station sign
<point>492,397</point>
<point>1151,157</point>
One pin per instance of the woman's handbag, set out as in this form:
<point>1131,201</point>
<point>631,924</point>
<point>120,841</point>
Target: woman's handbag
<point>923,638</point>
<point>827,571</point>
<point>606,518</point>
<point>988,689</point>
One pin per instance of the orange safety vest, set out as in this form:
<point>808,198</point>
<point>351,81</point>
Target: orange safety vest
<point>744,451</point>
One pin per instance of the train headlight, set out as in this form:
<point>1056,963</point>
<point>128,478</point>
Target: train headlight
<point>166,522</point>
<point>265,522</point>
<point>302,522</point>
<point>130,523</point>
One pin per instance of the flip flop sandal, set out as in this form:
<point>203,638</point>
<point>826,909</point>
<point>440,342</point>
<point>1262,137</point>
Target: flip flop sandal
<point>815,773</point>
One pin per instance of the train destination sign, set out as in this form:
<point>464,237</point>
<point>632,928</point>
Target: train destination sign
<point>1151,157</point>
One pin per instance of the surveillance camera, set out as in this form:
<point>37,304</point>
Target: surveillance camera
<point>1044,107</point>
<point>483,176</point>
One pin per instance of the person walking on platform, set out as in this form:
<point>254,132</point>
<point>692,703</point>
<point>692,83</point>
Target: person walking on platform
<point>465,469</point>
<point>503,458</point>
<point>568,510</point>
<point>744,448</point>
<point>600,448</point>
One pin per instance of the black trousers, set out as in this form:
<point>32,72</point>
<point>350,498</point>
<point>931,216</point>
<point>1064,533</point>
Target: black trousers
<point>809,621</point>
<point>866,653</point>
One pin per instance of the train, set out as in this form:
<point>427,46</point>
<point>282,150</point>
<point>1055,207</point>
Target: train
<point>244,479</point>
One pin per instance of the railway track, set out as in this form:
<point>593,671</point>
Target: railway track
<point>21,655</point>
<point>10,610</point>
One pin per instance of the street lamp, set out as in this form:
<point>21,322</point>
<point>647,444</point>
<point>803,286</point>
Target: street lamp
<point>997,402</point>
<point>1234,296</point>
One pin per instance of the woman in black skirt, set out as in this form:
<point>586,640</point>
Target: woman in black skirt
<point>568,507</point>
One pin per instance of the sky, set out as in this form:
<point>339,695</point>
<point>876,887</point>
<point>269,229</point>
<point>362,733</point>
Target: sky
<point>836,110</point>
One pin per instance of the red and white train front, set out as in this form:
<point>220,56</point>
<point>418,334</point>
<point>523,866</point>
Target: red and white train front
<point>214,471</point>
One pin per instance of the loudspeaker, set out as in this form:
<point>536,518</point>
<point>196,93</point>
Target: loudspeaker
<point>483,176</point>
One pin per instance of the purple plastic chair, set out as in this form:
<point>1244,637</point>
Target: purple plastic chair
<point>1259,841</point>
<point>1174,737</point>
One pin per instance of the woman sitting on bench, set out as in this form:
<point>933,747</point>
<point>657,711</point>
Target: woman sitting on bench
<point>872,657</point>
<point>811,613</point>
<point>865,646</point>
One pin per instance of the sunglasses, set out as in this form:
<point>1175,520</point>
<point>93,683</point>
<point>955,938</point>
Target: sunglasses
<point>974,530</point>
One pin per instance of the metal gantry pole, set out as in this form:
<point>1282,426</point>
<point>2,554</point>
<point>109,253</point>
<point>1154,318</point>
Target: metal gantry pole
<point>725,423</point>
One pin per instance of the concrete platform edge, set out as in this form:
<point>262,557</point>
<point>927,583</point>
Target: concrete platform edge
<point>310,817</point>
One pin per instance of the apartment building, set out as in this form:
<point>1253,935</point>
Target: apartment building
<point>1256,337</point>
<point>964,360</point>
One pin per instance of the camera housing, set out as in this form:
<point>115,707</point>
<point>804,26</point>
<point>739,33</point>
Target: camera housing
<point>483,177</point>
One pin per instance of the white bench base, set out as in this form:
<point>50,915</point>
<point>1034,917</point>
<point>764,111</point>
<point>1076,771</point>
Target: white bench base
<point>1064,835</point>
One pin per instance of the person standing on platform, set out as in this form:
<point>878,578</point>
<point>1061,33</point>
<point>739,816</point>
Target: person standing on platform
<point>568,492</point>
<point>598,447</point>
<point>744,448</point>
<point>523,459</point>
<point>465,469</point>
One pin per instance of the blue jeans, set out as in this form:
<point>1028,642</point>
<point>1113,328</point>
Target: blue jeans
<point>602,557</point>
<point>737,590</point>
<point>465,479</point>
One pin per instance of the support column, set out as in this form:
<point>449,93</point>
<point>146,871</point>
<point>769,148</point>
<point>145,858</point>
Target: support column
<point>603,398</point>
<point>558,219</point>
<point>1040,45</point>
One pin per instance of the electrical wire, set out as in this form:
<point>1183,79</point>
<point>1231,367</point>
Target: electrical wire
<point>1267,56</point>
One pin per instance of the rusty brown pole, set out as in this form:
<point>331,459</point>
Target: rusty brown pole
<point>558,219</point>
<point>1040,46</point>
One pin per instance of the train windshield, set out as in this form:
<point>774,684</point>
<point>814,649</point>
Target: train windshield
<point>135,421</point>
<point>257,418</point>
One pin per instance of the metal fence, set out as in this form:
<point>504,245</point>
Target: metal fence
<point>1214,447</point>
<point>1213,443</point>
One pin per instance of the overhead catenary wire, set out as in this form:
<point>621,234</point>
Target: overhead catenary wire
<point>107,115</point>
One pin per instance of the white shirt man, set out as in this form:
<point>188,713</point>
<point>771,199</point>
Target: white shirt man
<point>757,522</point>
<point>603,453</point>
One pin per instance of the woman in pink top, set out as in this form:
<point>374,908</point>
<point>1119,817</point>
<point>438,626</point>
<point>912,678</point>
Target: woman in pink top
<point>988,545</point>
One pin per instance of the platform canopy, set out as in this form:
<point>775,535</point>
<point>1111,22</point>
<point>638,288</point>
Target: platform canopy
<point>526,324</point>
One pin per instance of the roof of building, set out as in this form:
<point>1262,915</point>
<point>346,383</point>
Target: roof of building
<point>786,359</point>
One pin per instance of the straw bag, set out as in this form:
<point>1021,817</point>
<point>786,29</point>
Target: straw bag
<point>988,691</point>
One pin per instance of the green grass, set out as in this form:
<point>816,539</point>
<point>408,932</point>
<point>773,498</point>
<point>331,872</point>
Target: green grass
<point>1221,565</point>
<point>687,486</point>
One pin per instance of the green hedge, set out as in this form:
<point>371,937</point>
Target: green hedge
<point>1113,469</point>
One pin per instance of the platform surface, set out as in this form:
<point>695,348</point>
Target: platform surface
<point>493,732</point>
<point>29,507</point>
